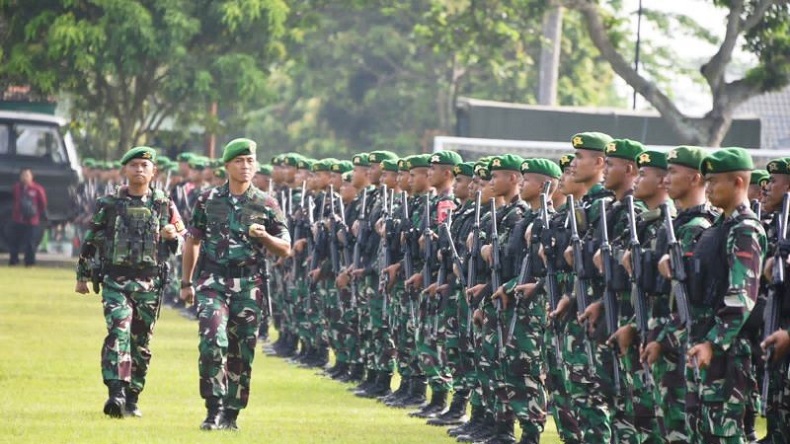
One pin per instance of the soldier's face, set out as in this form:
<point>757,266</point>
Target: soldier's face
<point>586,165</point>
<point>418,179</point>
<point>437,175</point>
<point>374,173</point>
<point>360,176</point>
<point>289,173</point>
<point>241,168</point>
<point>139,171</point>
<point>775,191</point>
<point>755,191</point>
<point>183,169</point>
<point>679,180</point>
<point>348,192</point>
<point>721,188</point>
<point>486,191</point>
<point>502,182</point>
<point>649,182</point>
<point>461,187</point>
<point>614,172</point>
<point>336,180</point>
<point>403,181</point>
<point>390,179</point>
<point>531,185</point>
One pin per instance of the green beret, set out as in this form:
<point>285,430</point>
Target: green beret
<point>361,159</point>
<point>342,166</point>
<point>483,172</point>
<point>278,159</point>
<point>322,165</point>
<point>626,149</point>
<point>185,156</point>
<point>727,160</point>
<point>510,162</point>
<point>403,164</point>
<point>655,159</point>
<point>238,147</point>
<point>446,158</point>
<point>347,176</point>
<point>418,161</point>
<point>464,169</point>
<point>89,162</point>
<point>139,152</point>
<point>198,163</point>
<point>117,164</point>
<point>565,161</point>
<point>761,177</point>
<point>390,165</point>
<point>541,166</point>
<point>777,166</point>
<point>170,166</point>
<point>292,159</point>
<point>593,141</point>
<point>687,156</point>
<point>162,160</point>
<point>381,155</point>
<point>220,172</point>
<point>265,169</point>
<point>305,164</point>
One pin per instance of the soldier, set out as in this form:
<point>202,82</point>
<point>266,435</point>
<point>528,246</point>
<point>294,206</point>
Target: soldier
<point>263,178</point>
<point>131,235</point>
<point>729,257</point>
<point>232,228</point>
<point>757,182</point>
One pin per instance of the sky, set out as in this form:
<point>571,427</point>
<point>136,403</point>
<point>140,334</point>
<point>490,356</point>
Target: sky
<point>691,97</point>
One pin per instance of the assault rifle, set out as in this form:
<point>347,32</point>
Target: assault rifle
<point>471,267</point>
<point>445,244</point>
<point>427,257</point>
<point>550,281</point>
<point>580,284</point>
<point>609,297</point>
<point>357,259</point>
<point>773,307</point>
<point>757,208</point>
<point>679,285</point>
<point>495,280</point>
<point>334,252</point>
<point>385,255</point>
<point>638,297</point>
<point>407,228</point>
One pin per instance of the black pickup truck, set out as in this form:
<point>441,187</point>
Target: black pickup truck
<point>42,143</point>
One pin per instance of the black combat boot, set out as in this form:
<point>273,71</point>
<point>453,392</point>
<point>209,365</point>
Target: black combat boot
<point>356,374</point>
<point>433,408</point>
<point>456,414</point>
<point>402,390</point>
<point>228,420</point>
<point>321,358</point>
<point>480,433</point>
<point>214,412</point>
<point>416,397</point>
<point>116,401</point>
<point>369,382</point>
<point>530,439</point>
<point>749,420</point>
<point>478,413</point>
<point>382,387</point>
<point>340,368</point>
<point>131,408</point>
<point>503,433</point>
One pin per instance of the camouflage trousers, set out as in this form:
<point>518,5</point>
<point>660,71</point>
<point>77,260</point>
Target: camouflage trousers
<point>130,317</point>
<point>228,317</point>
<point>518,385</point>
<point>778,406</point>
<point>567,424</point>
<point>403,333</point>
<point>456,344</point>
<point>431,352</point>
<point>382,354</point>
<point>723,396</point>
<point>584,387</point>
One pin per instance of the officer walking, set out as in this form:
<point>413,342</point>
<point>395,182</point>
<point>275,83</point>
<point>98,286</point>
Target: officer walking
<point>232,228</point>
<point>126,248</point>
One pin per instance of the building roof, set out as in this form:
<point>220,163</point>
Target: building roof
<point>773,109</point>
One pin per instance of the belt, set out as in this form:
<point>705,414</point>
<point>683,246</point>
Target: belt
<point>242,270</point>
<point>141,273</point>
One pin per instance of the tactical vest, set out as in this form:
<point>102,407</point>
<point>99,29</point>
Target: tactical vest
<point>133,232</point>
<point>219,215</point>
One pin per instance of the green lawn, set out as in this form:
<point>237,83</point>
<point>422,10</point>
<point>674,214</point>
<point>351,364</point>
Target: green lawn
<point>51,389</point>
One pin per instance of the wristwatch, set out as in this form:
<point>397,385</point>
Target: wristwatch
<point>186,284</point>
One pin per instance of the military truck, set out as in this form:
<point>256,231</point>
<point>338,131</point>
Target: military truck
<point>42,143</point>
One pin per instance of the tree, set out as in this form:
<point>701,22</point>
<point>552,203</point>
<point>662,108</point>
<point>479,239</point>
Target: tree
<point>139,62</point>
<point>762,24</point>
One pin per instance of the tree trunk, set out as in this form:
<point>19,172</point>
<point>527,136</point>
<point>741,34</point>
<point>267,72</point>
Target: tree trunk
<point>550,55</point>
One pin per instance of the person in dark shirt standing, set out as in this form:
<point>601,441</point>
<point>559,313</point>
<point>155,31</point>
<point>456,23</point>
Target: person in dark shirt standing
<point>30,207</point>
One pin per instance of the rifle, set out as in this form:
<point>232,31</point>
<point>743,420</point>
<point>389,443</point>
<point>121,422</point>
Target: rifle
<point>638,297</point>
<point>580,283</point>
<point>267,286</point>
<point>445,243</point>
<point>495,280</point>
<point>757,208</point>
<point>408,265</point>
<point>609,298</point>
<point>385,255</point>
<point>550,281</point>
<point>361,218</point>
<point>679,284</point>
<point>773,307</point>
<point>471,266</point>
<point>334,254</point>
<point>427,235</point>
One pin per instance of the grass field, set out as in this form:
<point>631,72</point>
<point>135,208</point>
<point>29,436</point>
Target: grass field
<point>51,389</point>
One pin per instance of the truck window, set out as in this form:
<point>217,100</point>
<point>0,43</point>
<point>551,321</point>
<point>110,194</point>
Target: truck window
<point>40,141</point>
<point>3,139</point>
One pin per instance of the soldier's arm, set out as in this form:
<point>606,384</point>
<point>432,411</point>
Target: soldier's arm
<point>745,246</point>
<point>276,240</point>
<point>91,245</point>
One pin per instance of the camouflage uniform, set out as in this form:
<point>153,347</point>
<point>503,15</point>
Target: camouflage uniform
<point>132,282</point>
<point>228,283</point>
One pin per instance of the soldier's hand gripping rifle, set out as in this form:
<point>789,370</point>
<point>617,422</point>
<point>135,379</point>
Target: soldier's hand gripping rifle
<point>679,285</point>
<point>773,307</point>
<point>638,296</point>
<point>361,238</point>
<point>550,282</point>
<point>495,280</point>
<point>471,268</point>
<point>580,282</point>
<point>611,311</point>
<point>428,256</point>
